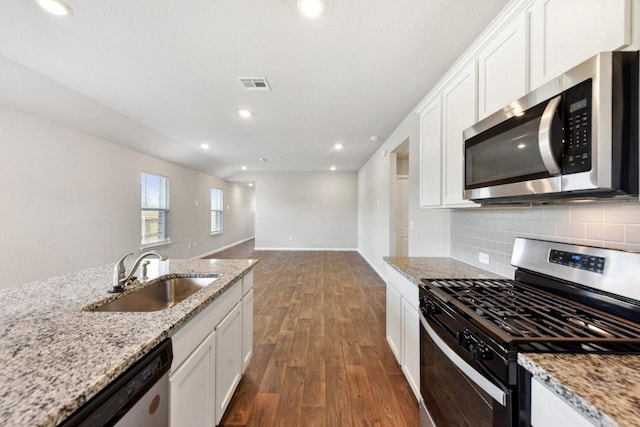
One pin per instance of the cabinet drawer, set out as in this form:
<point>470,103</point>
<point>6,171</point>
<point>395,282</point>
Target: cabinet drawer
<point>247,282</point>
<point>191,334</point>
<point>407,289</point>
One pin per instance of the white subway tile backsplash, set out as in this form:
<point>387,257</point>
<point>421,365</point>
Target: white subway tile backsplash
<point>627,213</point>
<point>568,229</point>
<point>615,225</point>
<point>632,234</point>
<point>557,213</point>
<point>608,232</point>
<point>544,227</point>
<point>587,214</point>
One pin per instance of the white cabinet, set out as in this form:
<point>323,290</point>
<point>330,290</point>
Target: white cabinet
<point>247,328</point>
<point>567,32</point>
<point>210,353</point>
<point>503,67</point>
<point>403,326</point>
<point>431,154</point>
<point>247,319</point>
<point>394,320</point>
<point>228,359</point>
<point>411,344</point>
<point>459,98</point>
<point>549,410</point>
<point>191,387</point>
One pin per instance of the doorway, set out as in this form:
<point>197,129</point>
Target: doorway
<point>399,215</point>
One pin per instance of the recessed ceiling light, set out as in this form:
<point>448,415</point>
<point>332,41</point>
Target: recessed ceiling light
<point>204,146</point>
<point>333,168</point>
<point>244,168</point>
<point>56,7</point>
<point>311,8</point>
<point>251,184</point>
<point>338,146</point>
<point>244,113</point>
<point>374,138</point>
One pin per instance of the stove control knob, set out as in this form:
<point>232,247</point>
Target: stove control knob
<point>480,351</point>
<point>429,307</point>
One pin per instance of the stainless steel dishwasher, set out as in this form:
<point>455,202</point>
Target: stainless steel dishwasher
<point>138,397</point>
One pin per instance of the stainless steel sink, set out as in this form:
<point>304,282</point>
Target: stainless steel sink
<point>160,295</point>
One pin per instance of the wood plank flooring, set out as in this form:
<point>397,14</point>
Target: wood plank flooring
<point>320,353</point>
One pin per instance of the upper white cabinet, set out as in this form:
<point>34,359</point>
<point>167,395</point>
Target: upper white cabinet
<point>431,154</point>
<point>566,32</point>
<point>459,100</point>
<point>503,67</point>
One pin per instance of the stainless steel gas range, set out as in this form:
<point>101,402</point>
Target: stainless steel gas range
<point>564,299</point>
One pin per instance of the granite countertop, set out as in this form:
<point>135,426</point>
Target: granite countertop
<point>55,356</point>
<point>416,268</point>
<point>603,388</point>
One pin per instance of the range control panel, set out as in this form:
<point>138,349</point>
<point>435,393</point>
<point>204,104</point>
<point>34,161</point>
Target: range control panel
<point>575,260</point>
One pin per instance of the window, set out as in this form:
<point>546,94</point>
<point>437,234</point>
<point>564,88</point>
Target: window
<point>217,209</point>
<point>154,206</point>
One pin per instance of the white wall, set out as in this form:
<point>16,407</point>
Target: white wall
<point>317,209</point>
<point>493,231</point>
<point>71,201</point>
<point>430,235</point>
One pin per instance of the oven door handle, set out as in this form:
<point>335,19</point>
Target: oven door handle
<point>544,137</point>
<point>490,388</point>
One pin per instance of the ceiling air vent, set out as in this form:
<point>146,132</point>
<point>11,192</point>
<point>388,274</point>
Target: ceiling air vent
<point>254,83</point>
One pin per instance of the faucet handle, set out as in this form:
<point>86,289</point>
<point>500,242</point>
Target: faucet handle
<point>120,264</point>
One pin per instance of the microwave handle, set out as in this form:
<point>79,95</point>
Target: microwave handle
<point>544,136</point>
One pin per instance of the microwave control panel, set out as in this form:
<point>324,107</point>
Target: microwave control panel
<point>577,154</point>
<point>591,263</point>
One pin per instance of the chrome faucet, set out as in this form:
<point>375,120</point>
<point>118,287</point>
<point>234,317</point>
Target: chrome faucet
<point>121,280</point>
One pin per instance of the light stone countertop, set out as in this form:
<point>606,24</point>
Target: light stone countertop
<point>54,356</point>
<point>416,268</point>
<point>603,388</point>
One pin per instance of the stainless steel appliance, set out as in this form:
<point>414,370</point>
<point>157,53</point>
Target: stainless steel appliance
<point>139,397</point>
<point>576,136</point>
<point>565,298</point>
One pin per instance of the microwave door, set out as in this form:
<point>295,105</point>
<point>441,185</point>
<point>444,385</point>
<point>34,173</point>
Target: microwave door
<point>519,159</point>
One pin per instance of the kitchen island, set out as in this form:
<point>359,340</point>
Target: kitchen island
<point>55,356</point>
<point>603,389</point>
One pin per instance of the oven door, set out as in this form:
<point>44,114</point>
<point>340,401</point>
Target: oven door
<point>454,392</point>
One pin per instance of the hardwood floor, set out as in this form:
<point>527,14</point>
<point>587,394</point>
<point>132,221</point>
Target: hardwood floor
<point>320,353</point>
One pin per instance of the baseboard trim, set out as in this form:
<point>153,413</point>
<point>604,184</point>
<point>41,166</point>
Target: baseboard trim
<point>223,248</point>
<point>307,249</point>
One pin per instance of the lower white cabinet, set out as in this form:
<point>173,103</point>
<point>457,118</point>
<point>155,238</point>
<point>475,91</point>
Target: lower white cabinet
<point>549,410</point>
<point>191,387</point>
<point>403,326</point>
<point>228,358</point>
<point>247,328</point>
<point>210,353</point>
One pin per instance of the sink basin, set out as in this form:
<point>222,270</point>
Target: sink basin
<point>160,295</point>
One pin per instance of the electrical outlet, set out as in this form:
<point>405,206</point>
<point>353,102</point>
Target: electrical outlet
<point>195,244</point>
<point>189,245</point>
<point>483,257</point>
<point>291,237</point>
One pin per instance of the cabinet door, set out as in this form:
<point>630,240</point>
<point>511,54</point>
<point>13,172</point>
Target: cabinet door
<point>394,321</point>
<point>549,410</point>
<point>567,32</point>
<point>191,388</point>
<point>503,68</point>
<point>228,359</point>
<point>459,112</point>
<point>247,329</point>
<point>431,154</point>
<point>411,345</point>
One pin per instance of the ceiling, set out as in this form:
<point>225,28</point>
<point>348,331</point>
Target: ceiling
<point>170,68</point>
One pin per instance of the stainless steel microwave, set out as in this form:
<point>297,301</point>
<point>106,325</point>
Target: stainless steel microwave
<point>574,137</point>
